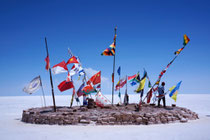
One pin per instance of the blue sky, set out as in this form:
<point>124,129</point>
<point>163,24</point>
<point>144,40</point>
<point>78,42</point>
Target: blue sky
<point>148,34</point>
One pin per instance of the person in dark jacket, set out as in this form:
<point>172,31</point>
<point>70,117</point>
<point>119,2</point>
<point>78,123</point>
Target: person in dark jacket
<point>161,94</point>
<point>126,99</point>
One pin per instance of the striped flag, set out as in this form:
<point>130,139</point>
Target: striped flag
<point>111,50</point>
<point>121,83</point>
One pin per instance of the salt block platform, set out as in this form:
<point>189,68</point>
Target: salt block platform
<point>110,115</point>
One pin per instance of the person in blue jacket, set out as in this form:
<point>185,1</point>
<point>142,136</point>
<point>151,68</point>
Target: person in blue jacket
<point>161,94</point>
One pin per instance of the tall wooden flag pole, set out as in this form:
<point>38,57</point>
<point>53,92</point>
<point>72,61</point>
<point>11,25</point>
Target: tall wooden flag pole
<point>115,30</point>
<point>54,106</point>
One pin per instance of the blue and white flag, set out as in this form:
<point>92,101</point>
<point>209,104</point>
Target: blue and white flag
<point>33,85</point>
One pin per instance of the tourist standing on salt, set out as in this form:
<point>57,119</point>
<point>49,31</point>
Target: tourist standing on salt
<point>161,94</point>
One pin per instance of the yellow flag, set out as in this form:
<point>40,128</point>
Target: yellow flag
<point>174,96</point>
<point>141,85</point>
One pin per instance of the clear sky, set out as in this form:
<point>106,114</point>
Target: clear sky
<point>148,34</point>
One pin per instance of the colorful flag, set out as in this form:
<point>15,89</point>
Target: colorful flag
<point>170,89</point>
<point>65,86</point>
<point>47,60</point>
<point>163,71</point>
<point>88,89</point>
<point>174,91</point>
<point>113,45</point>
<point>95,79</point>
<point>33,85</point>
<point>111,50</point>
<point>119,70</point>
<point>81,71</point>
<point>158,82</point>
<point>186,40</point>
<point>178,52</point>
<point>71,60</point>
<point>76,68</point>
<point>134,79</point>
<point>60,68</point>
<point>121,83</point>
<point>141,85</point>
<point>108,52</point>
<point>100,100</point>
<point>131,77</point>
<point>79,91</point>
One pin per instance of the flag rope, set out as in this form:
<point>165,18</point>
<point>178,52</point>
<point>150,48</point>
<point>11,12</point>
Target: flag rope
<point>163,71</point>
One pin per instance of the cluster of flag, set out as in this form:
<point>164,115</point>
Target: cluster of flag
<point>90,86</point>
<point>94,83</point>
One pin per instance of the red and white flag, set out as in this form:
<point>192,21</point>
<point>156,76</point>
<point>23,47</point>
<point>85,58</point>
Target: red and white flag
<point>101,101</point>
<point>60,68</point>
<point>121,83</point>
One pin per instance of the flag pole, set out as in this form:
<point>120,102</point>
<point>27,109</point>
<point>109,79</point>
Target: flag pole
<point>73,94</point>
<point>42,91</point>
<point>126,90</point>
<point>54,106</point>
<point>119,90</point>
<point>115,30</point>
<point>126,82</point>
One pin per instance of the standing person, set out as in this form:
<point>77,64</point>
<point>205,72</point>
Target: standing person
<point>126,99</point>
<point>85,100</point>
<point>161,94</point>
